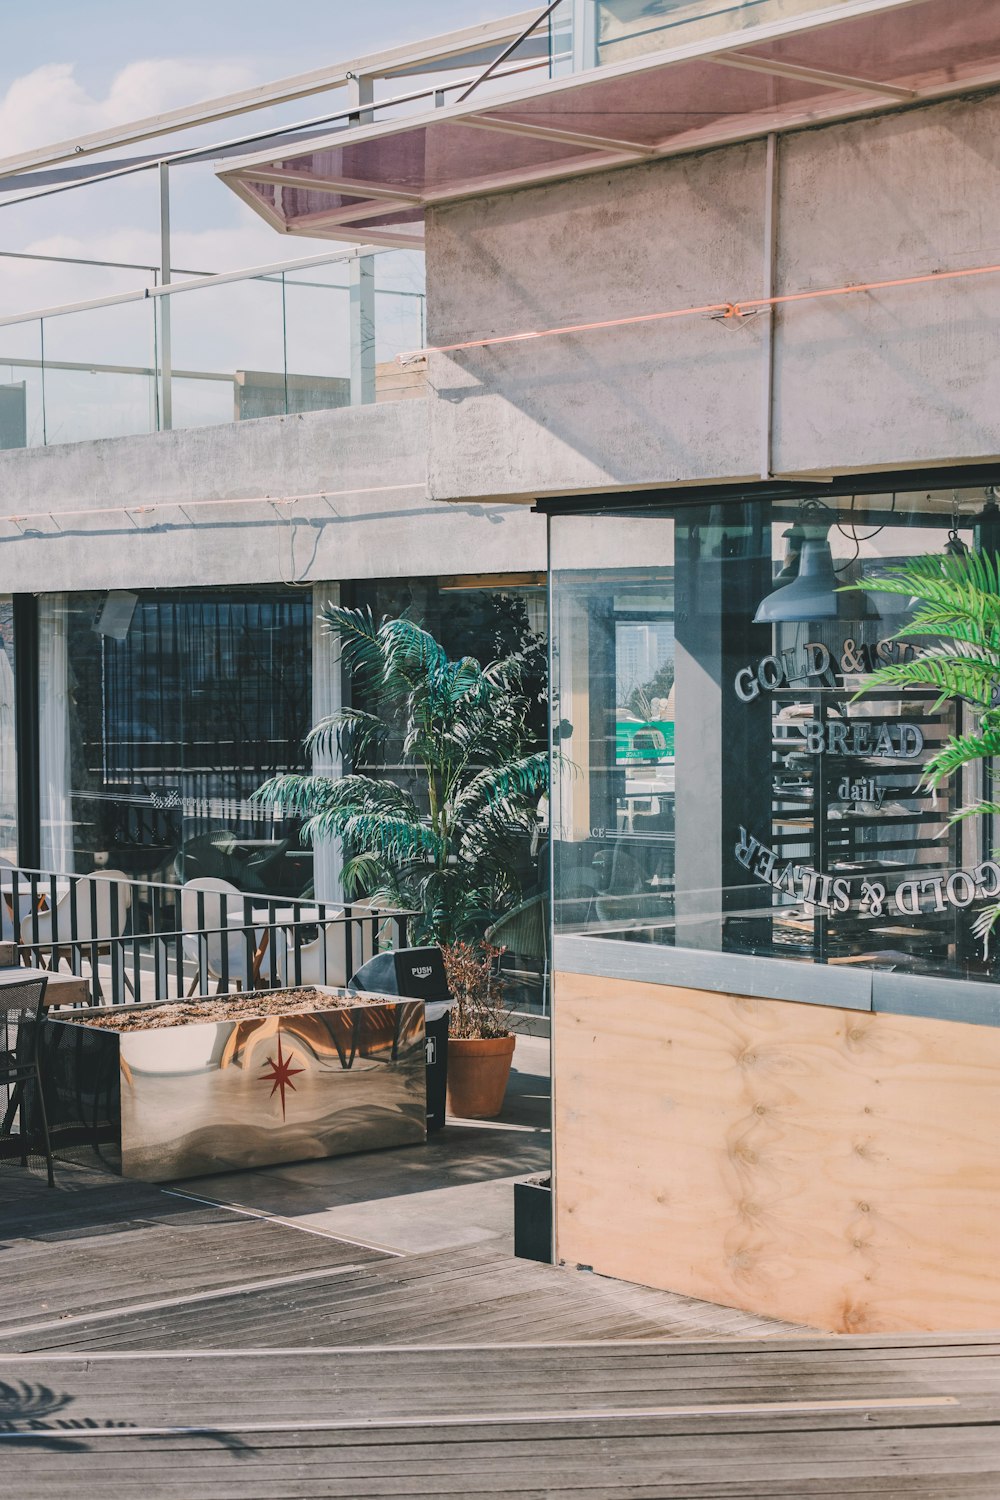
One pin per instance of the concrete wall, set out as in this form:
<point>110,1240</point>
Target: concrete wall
<point>893,378</point>
<point>375,522</point>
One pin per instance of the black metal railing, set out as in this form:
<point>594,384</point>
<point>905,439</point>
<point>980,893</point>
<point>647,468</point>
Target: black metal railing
<point>139,940</point>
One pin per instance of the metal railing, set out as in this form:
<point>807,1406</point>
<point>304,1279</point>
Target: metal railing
<point>134,940</point>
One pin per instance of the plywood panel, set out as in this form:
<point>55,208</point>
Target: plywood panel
<point>829,1167</point>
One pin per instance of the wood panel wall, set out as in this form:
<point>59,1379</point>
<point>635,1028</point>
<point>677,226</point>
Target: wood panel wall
<point>835,1168</point>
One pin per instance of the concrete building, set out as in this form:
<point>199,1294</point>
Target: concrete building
<point>715,298</point>
<point>192,469</point>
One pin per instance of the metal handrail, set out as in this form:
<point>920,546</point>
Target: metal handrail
<point>148,940</point>
<point>195,283</point>
<point>433,92</point>
<point>511,47</point>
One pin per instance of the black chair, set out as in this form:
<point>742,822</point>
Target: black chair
<point>22,1018</point>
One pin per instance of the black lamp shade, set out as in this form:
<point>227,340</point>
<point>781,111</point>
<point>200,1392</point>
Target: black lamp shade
<point>810,596</point>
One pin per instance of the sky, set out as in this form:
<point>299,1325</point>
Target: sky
<point>69,67</point>
<point>96,39</point>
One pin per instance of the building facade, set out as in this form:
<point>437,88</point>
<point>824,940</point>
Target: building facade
<point>707,320</point>
<point>724,312</point>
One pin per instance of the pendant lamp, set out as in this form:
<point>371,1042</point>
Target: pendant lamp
<point>810,596</point>
<point>794,538</point>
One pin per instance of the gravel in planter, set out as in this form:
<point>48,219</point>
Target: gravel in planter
<point>249,1006</point>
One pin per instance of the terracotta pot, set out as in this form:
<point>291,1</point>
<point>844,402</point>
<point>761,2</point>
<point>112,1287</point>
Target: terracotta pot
<point>478,1070</point>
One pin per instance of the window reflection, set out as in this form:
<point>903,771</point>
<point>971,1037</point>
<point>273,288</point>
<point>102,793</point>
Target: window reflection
<point>160,714</point>
<point>718,786</point>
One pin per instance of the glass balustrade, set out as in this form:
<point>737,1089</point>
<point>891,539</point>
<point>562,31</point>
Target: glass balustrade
<point>255,346</point>
<point>622,29</point>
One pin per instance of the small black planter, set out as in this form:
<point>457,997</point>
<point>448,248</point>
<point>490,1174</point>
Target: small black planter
<point>533,1219</point>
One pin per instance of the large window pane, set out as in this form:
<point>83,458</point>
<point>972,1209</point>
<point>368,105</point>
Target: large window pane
<point>629,28</point>
<point>160,714</point>
<point>719,786</point>
<point>470,618</point>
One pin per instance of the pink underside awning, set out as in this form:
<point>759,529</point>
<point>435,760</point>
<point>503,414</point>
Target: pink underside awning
<point>371,183</point>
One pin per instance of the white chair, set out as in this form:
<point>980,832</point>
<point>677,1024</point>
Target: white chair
<point>324,960</point>
<point>87,917</point>
<point>8,917</point>
<point>222,955</point>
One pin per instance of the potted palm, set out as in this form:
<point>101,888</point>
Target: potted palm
<point>450,848</point>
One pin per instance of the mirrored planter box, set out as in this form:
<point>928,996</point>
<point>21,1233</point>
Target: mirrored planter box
<point>225,1082</point>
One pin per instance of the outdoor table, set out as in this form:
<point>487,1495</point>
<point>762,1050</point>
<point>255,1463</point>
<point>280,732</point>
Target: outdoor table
<point>62,989</point>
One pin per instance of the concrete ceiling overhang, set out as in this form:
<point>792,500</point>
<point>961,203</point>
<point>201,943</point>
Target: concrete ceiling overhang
<point>372,183</point>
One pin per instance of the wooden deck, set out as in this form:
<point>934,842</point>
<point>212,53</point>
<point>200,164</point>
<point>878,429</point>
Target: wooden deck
<point>155,1345</point>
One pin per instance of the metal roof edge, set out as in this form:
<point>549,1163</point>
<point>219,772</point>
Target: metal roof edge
<point>648,62</point>
<point>872,482</point>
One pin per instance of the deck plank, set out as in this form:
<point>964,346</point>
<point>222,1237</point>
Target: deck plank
<point>318,1371</point>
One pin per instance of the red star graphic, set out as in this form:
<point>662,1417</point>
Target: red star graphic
<point>282,1074</point>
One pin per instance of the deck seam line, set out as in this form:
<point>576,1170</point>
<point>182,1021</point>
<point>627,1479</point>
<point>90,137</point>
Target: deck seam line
<point>666,1345</point>
<point>496,1419</point>
<point>253,1213</point>
<point>236,1289</point>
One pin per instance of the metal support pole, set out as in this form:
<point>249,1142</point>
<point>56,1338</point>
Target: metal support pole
<point>166,372</point>
<point>768,290</point>
<point>327,699</point>
<point>584,35</point>
<point>361,276</point>
<point>26,730</point>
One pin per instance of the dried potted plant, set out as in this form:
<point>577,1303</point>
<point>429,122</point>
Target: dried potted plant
<point>481,1043</point>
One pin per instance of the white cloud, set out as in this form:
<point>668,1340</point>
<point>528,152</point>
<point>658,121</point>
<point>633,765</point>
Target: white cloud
<point>49,104</point>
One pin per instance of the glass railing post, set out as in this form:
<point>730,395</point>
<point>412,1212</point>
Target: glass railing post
<point>361,280</point>
<point>166,373</point>
<point>41,359</point>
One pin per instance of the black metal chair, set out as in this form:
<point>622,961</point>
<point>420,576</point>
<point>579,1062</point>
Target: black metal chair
<point>22,1018</point>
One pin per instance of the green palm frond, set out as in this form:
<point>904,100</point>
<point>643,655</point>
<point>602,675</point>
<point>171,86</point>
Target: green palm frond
<point>985,925</point>
<point>451,851</point>
<point>974,810</point>
<point>961,750</point>
<point>952,674</point>
<point>351,731</point>
<point>357,638</point>
<point>409,653</point>
<point>300,796</point>
<point>367,874</point>
<point>955,625</point>
<point>393,839</point>
<point>506,785</point>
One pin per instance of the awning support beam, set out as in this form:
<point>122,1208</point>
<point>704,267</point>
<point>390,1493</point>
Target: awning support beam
<point>551,133</point>
<point>751,64</point>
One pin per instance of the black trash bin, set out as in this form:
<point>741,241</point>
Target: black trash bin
<point>417,974</point>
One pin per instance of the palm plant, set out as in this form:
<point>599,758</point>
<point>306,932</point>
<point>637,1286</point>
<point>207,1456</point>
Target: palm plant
<point>956,606</point>
<point>452,856</point>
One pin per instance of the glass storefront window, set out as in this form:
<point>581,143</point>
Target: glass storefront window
<point>160,714</point>
<point>470,617</point>
<point>630,28</point>
<point>718,787</point>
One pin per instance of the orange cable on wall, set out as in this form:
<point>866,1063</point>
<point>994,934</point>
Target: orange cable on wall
<point>726,309</point>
